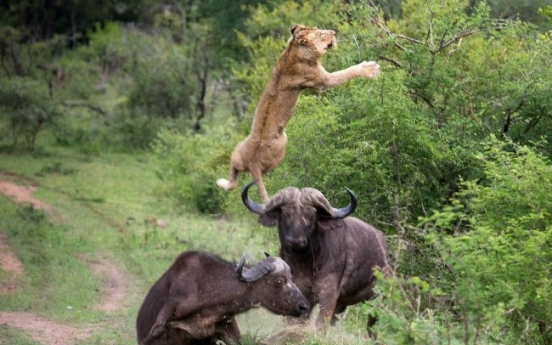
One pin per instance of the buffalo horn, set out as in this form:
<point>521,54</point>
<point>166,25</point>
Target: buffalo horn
<point>315,198</point>
<point>239,267</point>
<point>347,210</point>
<point>258,271</point>
<point>250,204</point>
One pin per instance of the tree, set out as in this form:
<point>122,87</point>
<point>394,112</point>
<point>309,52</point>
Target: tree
<point>524,10</point>
<point>27,108</point>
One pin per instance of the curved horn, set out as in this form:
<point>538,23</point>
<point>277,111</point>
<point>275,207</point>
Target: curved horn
<point>239,267</point>
<point>347,210</point>
<point>250,204</point>
<point>312,196</point>
<point>258,271</point>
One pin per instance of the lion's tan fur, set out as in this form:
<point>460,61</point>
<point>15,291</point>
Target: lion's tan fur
<point>298,68</point>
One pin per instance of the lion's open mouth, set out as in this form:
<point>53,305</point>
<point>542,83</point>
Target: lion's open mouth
<point>332,44</point>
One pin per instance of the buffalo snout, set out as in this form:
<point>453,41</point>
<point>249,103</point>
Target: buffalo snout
<point>301,306</point>
<point>296,243</point>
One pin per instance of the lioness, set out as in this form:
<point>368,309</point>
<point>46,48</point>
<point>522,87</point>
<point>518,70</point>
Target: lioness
<point>298,68</point>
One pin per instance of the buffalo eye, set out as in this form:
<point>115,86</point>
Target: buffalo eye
<point>280,281</point>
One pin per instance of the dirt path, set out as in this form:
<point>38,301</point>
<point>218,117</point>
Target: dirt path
<point>43,330</point>
<point>23,194</point>
<point>114,283</point>
<point>113,292</point>
<point>10,264</point>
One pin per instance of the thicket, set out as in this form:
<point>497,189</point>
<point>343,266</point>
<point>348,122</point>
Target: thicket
<point>448,150</point>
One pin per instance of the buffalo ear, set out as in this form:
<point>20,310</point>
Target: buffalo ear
<point>268,219</point>
<point>325,224</point>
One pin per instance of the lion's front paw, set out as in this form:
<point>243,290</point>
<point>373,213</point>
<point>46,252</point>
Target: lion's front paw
<point>370,69</point>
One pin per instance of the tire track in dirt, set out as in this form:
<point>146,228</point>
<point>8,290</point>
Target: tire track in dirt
<point>23,194</point>
<point>113,291</point>
<point>114,283</point>
<point>45,331</point>
<point>10,264</point>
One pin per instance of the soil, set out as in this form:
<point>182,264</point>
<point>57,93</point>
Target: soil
<point>114,283</point>
<point>113,293</point>
<point>10,264</point>
<point>43,330</point>
<point>23,194</point>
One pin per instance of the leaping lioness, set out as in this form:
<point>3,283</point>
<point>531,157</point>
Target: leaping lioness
<point>297,68</point>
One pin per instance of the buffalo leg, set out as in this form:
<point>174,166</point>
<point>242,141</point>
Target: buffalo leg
<point>228,331</point>
<point>326,288</point>
<point>338,310</point>
<point>159,326</point>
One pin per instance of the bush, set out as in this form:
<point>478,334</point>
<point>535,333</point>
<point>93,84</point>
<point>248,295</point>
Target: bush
<point>186,167</point>
<point>496,240</point>
<point>27,108</point>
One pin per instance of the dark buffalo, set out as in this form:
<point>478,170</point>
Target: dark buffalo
<point>195,301</point>
<point>331,256</point>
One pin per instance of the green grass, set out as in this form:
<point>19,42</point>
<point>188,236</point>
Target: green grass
<point>10,336</point>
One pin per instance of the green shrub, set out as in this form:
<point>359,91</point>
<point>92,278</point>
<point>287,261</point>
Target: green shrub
<point>26,108</point>
<point>496,239</point>
<point>186,167</point>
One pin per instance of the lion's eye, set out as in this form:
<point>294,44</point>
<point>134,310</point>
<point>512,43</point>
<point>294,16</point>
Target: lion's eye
<point>280,281</point>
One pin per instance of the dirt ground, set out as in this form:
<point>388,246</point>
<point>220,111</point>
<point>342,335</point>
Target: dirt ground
<point>23,194</point>
<point>115,282</point>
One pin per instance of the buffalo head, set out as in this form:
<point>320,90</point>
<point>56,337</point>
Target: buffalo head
<point>276,291</point>
<point>296,212</point>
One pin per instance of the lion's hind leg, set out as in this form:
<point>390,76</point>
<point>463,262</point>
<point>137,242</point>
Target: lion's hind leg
<point>257,175</point>
<point>229,185</point>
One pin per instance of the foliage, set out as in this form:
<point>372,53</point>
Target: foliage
<point>26,107</point>
<point>493,242</point>
<point>163,86</point>
<point>186,168</point>
<point>524,10</point>
<point>272,21</point>
<point>43,20</point>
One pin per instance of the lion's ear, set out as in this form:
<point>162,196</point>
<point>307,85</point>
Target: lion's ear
<point>295,28</point>
<point>300,35</point>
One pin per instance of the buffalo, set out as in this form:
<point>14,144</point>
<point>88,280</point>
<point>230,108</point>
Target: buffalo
<point>195,301</point>
<point>332,256</point>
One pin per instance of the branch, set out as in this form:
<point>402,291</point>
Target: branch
<point>393,61</point>
<point>410,39</point>
<point>85,105</point>
<point>457,37</point>
<point>425,98</point>
<point>389,33</point>
<point>533,123</point>
<point>510,112</point>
